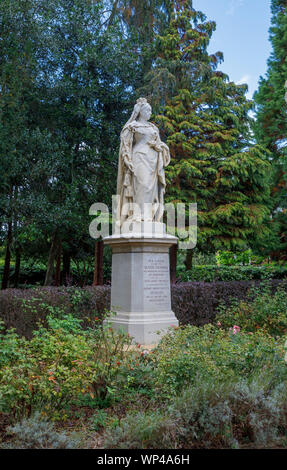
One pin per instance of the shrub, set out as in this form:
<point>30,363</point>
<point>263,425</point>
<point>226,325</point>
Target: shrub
<point>260,310</point>
<point>37,432</point>
<point>24,309</point>
<point>210,413</point>
<point>205,415</point>
<point>212,353</point>
<point>81,273</point>
<point>193,302</point>
<point>228,258</point>
<point>196,303</point>
<point>232,273</point>
<point>98,420</point>
<point>149,430</point>
<point>58,365</point>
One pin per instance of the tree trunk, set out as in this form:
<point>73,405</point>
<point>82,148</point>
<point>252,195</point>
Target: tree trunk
<point>52,256</point>
<point>6,271</point>
<point>101,263</point>
<point>188,259</point>
<point>98,266</point>
<point>113,13</point>
<point>66,267</point>
<point>17,267</point>
<point>95,280</point>
<point>173,262</point>
<point>58,266</point>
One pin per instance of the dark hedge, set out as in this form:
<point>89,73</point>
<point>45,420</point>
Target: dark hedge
<point>192,302</point>
<point>196,302</point>
<point>22,309</point>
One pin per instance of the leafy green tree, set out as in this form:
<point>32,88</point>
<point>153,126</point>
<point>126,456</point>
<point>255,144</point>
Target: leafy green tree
<point>64,119</point>
<point>19,36</point>
<point>87,88</point>
<point>271,126</point>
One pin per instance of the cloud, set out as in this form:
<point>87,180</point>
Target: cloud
<point>246,79</point>
<point>233,5</point>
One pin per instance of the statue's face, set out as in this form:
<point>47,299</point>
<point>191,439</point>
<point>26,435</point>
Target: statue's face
<point>145,112</point>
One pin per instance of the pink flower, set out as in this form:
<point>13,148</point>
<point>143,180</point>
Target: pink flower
<point>218,323</point>
<point>236,329</point>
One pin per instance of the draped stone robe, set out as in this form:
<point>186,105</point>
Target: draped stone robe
<point>141,146</point>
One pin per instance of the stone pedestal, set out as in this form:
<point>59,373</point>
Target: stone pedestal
<point>140,294</point>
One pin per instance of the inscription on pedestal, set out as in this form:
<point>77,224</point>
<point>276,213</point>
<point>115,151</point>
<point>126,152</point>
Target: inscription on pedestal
<point>156,282</point>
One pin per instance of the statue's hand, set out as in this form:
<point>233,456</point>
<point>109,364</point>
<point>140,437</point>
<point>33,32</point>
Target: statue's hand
<point>154,145</point>
<point>130,166</point>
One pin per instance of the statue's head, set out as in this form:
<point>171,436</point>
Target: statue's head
<point>142,109</point>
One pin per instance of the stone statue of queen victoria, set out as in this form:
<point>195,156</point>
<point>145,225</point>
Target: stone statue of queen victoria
<point>141,178</point>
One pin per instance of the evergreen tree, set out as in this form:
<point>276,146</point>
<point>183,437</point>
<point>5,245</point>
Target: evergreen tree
<point>271,126</point>
<point>19,36</point>
<point>86,90</point>
<point>140,21</point>
<point>205,120</point>
<point>66,85</point>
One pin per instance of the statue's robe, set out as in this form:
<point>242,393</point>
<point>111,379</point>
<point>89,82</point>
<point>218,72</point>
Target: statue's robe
<point>150,183</point>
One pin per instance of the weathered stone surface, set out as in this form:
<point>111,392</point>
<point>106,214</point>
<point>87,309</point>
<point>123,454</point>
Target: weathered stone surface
<point>140,294</point>
<point>142,159</point>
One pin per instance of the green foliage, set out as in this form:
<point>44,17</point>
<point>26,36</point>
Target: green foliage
<point>214,389</point>
<point>227,258</point>
<point>200,387</point>
<point>232,273</point>
<point>265,312</point>
<point>199,258</point>
<point>205,121</point>
<point>37,432</point>
<point>271,127</point>
<point>190,353</point>
<point>209,414</point>
<point>99,420</point>
<point>140,22</point>
<point>149,430</point>
<point>65,88</point>
<point>11,346</point>
<point>59,365</point>
<point>81,273</point>
<point>26,309</point>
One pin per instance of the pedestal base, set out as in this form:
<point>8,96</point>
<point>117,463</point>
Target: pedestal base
<point>144,327</point>
<point>140,295</point>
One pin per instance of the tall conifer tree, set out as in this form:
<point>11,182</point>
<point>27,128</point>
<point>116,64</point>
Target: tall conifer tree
<point>205,119</point>
<point>271,126</point>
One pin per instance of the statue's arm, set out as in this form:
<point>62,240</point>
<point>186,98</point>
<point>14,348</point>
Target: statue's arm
<point>162,148</point>
<point>127,145</point>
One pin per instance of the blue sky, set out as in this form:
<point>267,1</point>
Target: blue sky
<point>242,35</point>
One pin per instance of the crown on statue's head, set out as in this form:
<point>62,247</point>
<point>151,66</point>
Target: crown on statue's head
<point>142,101</point>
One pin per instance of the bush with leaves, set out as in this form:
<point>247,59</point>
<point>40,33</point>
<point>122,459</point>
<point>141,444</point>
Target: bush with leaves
<point>210,413</point>
<point>232,273</point>
<point>25,309</point>
<point>211,352</point>
<point>260,310</point>
<point>144,430</point>
<point>243,258</point>
<point>59,364</point>
<point>193,302</point>
<point>37,432</point>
